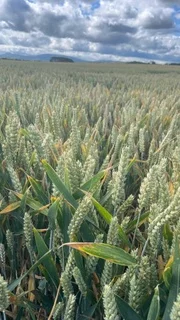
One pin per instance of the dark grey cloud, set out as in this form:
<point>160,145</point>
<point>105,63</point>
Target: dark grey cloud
<point>16,15</point>
<point>170,2</point>
<point>120,27</point>
<point>50,24</point>
<point>114,38</point>
<point>57,21</point>
<point>110,33</point>
<point>154,23</point>
<point>59,26</point>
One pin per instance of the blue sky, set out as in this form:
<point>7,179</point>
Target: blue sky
<point>92,29</point>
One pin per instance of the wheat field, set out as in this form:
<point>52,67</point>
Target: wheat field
<point>90,191</point>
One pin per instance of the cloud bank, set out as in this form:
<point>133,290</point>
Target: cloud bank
<point>92,29</point>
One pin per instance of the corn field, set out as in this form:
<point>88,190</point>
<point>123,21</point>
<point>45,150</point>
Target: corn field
<point>89,192</point>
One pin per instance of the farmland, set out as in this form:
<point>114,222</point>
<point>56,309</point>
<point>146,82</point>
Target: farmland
<point>90,191</point>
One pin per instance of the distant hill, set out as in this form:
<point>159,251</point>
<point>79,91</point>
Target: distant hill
<point>40,57</point>
<point>61,59</point>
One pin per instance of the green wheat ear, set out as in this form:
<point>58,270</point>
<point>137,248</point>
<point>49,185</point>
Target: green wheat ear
<point>28,234</point>
<point>70,308</point>
<point>66,284</point>
<point>175,313</point>
<point>3,259</point>
<point>82,211</point>
<point>110,307</point>
<point>4,297</point>
<point>80,281</point>
<point>58,311</point>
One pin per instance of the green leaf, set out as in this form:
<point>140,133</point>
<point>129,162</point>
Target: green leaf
<point>23,201</point>
<point>104,251</point>
<point>88,314</point>
<point>20,314</point>
<point>175,281</point>
<point>103,212</point>
<point>107,217</point>
<point>154,309</point>
<point>59,184</point>
<point>79,262</point>
<point>33,204</point>
<point>52,214</point>
<point>38,190</point>
<point>133,224</point>
<point>87,232</point>
<point>64,219</point>
<point>37,206</point>
<point>168,234</point>
<point>126,311</point>
<point>89,185</point>
<point>48,263</point>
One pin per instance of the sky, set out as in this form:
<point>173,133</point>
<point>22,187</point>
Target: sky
<point>118,30</point>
